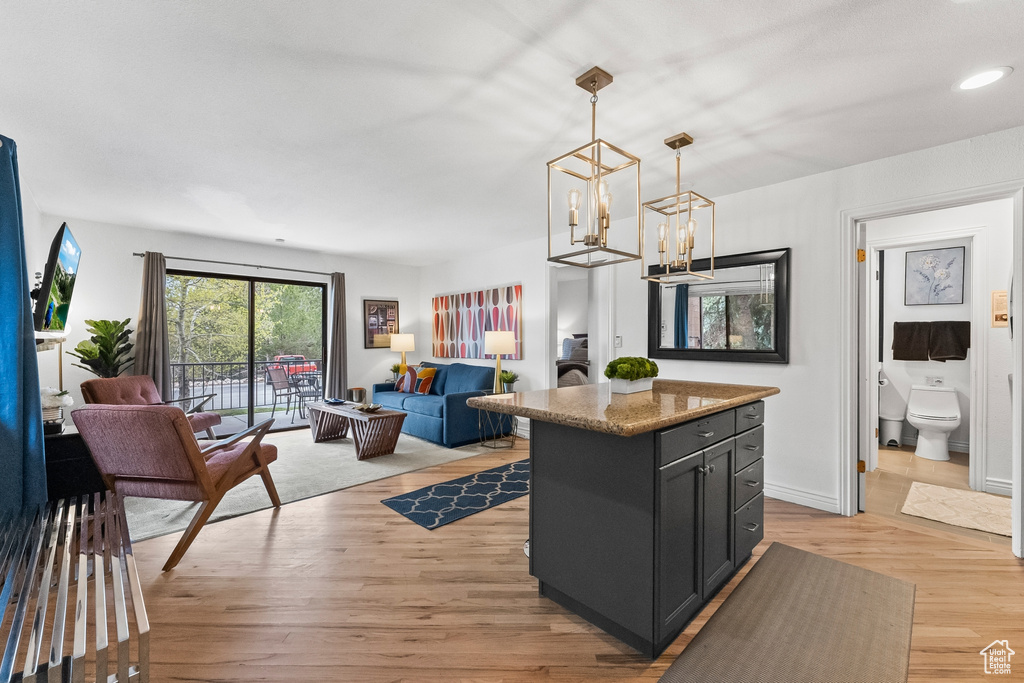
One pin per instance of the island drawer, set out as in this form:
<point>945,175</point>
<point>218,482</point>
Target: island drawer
<point>693,436</point>
<point>748,483</point>
<point>749,527</point>
<point>749,416</point>
<point>749,447</point>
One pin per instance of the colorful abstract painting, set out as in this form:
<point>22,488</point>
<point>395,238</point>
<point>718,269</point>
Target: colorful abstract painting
<point>460,320</point>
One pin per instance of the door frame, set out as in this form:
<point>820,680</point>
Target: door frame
<point>849,438</point>
<point>977,359</point>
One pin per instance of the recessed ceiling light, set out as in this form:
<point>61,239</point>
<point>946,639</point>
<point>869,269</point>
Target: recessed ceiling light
<point>987,77</point>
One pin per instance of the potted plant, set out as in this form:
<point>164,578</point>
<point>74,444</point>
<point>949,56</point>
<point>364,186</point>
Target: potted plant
<point>631,374</point>
<point>395,369</point>
<point>508,380</point>
<point>105,354</point>
<point>53,402</point>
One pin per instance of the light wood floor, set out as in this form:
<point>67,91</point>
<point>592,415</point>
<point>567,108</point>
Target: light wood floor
<point>898,468</point>
<point>341,588</point>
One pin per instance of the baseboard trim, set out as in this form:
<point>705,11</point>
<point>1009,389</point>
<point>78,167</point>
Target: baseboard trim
<point>1002,487</point>
<point>524,427</point>
<point>801,497</point>
<point>957,446</point>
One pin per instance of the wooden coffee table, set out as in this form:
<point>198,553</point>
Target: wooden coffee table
<point>373,433</point>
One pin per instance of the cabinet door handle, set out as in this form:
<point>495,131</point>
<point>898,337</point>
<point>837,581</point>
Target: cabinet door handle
<point>705,435</point>
<point>711,469</point>
<point>702,469</point>
<point>753,526</point>
<point>752,447</point>
<point>751,483</point>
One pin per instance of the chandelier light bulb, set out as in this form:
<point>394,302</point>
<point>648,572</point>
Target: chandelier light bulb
<point>574,207</point>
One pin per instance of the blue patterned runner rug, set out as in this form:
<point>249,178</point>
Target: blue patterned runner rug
<point>437,505</point>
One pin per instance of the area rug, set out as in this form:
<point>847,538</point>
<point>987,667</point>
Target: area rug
<point>960,507</point>
<point>303,469</point>
<point>440,504</point>
<point>800,617</point>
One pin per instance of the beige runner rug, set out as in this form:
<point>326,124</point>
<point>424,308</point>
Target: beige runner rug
<point>960,507</point>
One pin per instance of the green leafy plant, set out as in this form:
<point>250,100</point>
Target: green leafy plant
<point>508,377</point>
<point>105,354</point>
<point>396,368</point>
<point>631,368</point>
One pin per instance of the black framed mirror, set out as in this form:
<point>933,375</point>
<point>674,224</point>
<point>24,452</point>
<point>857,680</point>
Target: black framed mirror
<point>742,315</point>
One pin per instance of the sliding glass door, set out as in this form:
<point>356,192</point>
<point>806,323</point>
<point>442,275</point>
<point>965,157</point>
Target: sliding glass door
<point>254,346</point>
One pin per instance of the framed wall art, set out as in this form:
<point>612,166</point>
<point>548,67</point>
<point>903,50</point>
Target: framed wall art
<point>935,277</point>
<point>380,321</point>
<point>460,320</point>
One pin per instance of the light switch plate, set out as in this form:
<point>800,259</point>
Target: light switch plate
<point>618,341</point>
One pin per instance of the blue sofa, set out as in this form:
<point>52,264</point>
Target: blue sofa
<point>442,415</point>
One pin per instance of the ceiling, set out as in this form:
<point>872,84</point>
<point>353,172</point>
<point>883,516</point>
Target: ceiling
<point>413,131</point>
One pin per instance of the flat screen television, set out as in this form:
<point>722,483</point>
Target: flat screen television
<point>58,283</point>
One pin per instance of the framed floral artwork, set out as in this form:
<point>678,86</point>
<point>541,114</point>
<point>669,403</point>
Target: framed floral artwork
<point>934,277</point>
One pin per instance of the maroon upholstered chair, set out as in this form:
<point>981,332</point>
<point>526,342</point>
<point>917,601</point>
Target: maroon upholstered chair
<point>140,390</point>
<point>150,451</point>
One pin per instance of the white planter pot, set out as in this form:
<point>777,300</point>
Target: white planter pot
<point>52,414</point>
<point>625,386</point>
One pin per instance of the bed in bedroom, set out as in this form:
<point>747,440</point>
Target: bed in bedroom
<point>573,365</point>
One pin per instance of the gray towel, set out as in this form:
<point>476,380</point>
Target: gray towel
<point>910,341</point>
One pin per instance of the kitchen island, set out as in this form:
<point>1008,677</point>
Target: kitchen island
<point>642,506</point>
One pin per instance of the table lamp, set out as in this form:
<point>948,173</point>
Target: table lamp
<point>403,343</point>
<point>498,342</point>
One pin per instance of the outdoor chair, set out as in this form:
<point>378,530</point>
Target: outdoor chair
<point>140,390</point>
<point>150,451</point>
<point>282,385</point>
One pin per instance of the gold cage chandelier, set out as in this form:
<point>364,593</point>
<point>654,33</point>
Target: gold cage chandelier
<point>585,177</point>
<point>677,216</point>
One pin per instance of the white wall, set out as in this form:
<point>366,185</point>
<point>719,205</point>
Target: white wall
<point>572,307</point>
<point>524,262</point>
<point>802,426</point>
<point>110,277</point>
<point>996,221</point>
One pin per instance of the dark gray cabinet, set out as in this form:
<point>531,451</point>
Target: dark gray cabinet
<point>636,534</point>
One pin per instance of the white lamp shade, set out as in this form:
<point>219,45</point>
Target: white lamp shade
<point>499,342</point>
<point>403,342</point>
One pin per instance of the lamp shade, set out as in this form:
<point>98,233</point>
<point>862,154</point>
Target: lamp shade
<point>499,342</point>
<point>403,342</point>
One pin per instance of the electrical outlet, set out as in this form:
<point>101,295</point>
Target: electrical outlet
<point>934,381</point>
<point>618,341</point>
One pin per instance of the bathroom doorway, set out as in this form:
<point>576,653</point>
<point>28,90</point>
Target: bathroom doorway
<point>936,270</point>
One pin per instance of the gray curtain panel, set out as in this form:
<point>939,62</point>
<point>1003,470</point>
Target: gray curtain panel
<point>336,378</point>
<point>152,355</point>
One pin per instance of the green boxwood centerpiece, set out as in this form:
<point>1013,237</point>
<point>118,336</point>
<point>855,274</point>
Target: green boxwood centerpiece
<point>631,374</point>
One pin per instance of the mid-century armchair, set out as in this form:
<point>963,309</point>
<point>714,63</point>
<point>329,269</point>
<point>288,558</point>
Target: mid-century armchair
<point>150,451</point>
<point>140,390</point>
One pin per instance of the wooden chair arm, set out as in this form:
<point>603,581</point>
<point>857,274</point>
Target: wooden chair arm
<point>257,432</point>
<point>194,409</point>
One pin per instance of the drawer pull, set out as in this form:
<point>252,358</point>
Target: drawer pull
<point>751,483</point>
<point>753,526</point>
<point>752,447</point>
<point>705,435</point>
<point>751,416</point>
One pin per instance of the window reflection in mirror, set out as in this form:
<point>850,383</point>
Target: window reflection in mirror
<point>740,315</point>
<point>736,311</point>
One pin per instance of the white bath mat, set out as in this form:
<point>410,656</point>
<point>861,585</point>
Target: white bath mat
<point>959,507</point>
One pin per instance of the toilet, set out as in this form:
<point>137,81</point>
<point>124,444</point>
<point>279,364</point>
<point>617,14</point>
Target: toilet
<point>935,412</point>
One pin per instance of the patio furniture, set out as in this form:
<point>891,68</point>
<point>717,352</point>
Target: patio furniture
<point>281,382</point>
<point>140,390</point>
<point>69,581</point>
<point>307,386</point>
<point>150,451</point>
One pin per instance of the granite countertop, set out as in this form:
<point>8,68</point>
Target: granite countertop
<point>595,407</point>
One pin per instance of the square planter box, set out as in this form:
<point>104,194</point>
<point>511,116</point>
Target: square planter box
<point>625,386</point>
